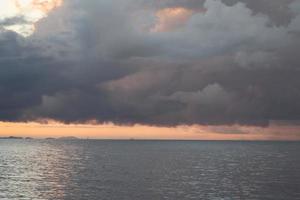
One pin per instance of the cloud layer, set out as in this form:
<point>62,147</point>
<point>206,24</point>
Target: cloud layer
<point>174,62</point>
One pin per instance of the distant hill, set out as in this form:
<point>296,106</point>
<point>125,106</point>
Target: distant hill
<point>50,138</point>
<point>68,138</point>
<point>11,137</point>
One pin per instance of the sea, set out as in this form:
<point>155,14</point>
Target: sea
<point>148,170</point>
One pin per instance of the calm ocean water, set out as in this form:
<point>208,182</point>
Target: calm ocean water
<point>148,170</point>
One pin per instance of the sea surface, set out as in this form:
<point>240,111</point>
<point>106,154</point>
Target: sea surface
<point>149,170</point>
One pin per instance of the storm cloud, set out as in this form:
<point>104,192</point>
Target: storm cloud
<point>226,62</point>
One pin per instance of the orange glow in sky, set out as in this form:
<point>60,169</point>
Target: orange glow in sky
<point>43,6</point>
<point>170,19</point>
<point>111,131</point>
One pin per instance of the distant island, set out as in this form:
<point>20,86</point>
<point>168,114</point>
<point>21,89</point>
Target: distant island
<point>50,138</point>
<point>30,138</point>
<point>68,138</point>
<point>63,138</point>
<point>13,138</point>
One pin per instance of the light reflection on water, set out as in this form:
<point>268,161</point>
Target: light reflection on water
<point>36,169</point>
<point>153,170</point>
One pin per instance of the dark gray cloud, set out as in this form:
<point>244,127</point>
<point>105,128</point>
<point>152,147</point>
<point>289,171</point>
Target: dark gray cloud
<point>13,21</point>
<point>278,10</point>
<point>100,60</point>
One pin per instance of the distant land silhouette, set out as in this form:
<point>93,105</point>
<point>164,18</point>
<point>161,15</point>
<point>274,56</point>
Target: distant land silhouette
<point>68,138</point>
<point>11,138</point>
<point>30,138</point>
<point>63,138</point>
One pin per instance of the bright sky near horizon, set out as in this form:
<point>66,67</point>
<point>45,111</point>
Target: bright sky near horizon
<point>111,131</point>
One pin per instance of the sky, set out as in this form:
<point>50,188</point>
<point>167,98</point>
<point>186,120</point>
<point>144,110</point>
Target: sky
<point>150,69</point>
